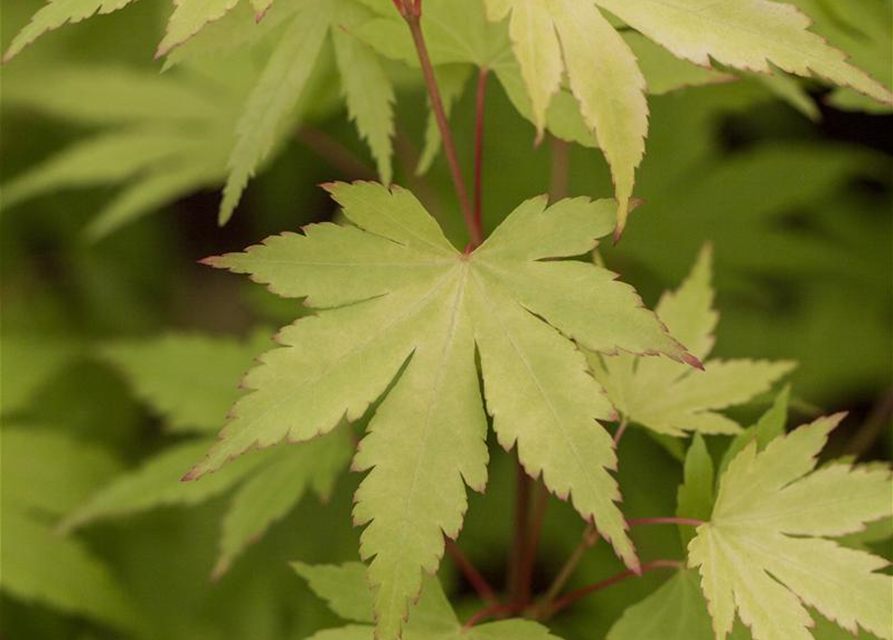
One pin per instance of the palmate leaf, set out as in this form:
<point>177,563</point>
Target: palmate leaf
<point>45,474</point>
<point>598,60</point>
<point>192,380</point>
<point>285,77</point>
<point>403,308</point>
<point>665,397</point>
<point>765,552</point>
<point>345,590</point>
<point>160,138</point>
<point>188,18</point>
<point>549,36</point>
<point>189,379</point>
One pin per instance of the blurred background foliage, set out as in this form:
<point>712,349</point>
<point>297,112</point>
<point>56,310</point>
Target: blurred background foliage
<point>789,182</point>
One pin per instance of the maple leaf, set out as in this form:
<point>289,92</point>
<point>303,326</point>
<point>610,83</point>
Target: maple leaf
<point>188,18</point>
<point>403,308</point>
<point>344,589</point>
<point>368,91</point>
<point>457,33</point>
<point>765,552</point>
<point>45,567</point>
<point>191,380</point>
<point>159,137</point>
<point>671,399</point>
<point>551,36</point>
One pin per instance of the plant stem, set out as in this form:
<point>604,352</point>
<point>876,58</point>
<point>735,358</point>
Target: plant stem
<point>590,537</point>
<point>412,14</point>
<point>635,522</point>
<point>624,423</point>
<point>492,610</point>
<point>560,169</point>
<point>474,577</point>
<point>535,527</point>
<point>522,515</point>
<point>573,596</point>
<point>479,145</point>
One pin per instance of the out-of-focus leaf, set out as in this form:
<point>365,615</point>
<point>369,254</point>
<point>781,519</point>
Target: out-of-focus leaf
<point>190,380</point>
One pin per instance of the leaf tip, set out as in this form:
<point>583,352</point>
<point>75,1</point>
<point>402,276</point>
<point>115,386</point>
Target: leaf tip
<point>692,361</point>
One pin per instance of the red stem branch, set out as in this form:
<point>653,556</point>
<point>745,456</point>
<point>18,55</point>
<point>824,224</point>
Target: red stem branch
<point>635,522</point>
<point>493,610</point>
<point>573,596</point>
<point>479,145</point>
<point>412,14</point>
<point>474,577</point>
<point>525,579</point>
<point>522,516</point>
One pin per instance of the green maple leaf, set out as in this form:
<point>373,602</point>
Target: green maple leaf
<point>765,552</point>
<point>675,611</point>
<point>671,399</point>
<point>402,308</point>
<point>192,381</point>
<point>159,137</point>
<point>171,374</point>
<point>45,474</point>
<point>345,590</point>
<point>551,36</point>
<point>457,32</point>
<point>172,159</point>
<point>188,18</point>
<point>282,84</point>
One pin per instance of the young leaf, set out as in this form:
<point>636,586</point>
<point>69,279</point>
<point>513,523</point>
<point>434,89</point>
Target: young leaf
<point>672,399</point>
<point>676,611</point>
<point>285,78</point>
<point>607,85</point>
<point>745,34</point>
<point>161,138</point>
<point>57,13</point>
<point>157,483</point>
<point>345,590</point>
<point>765,553</point>
<point>768,427</point>
<point>190,380</point>
<point>603,76</point>
<point>277,487</point>
<point>409,310</point>
<point>60,573</point>
<point>695,495</point>
<point>46,473</point>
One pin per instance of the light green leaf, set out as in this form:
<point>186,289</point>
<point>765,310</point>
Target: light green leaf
<point>768,427</point>
<point>188,18</point>
<point>664,72</point>
<point>35,358</point>
<point>271,107</point>
<point>346,591</point>
<point>695,496</point>
<point>60,573</point>
<point>158,483</point>
<point>161,137</point>
<point>272,492</point>
<point>343,587</point>
<point>745,34</point>
<point>676,611</point>
<point>412,310</point>
<point>603,74</point>
<point>46,471</point>
<point>57,13</point>
<point>367,91</point>
<point>671,399</point>
<point>190,380</point>
<point>764,553</point>
<point>274,97</point>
